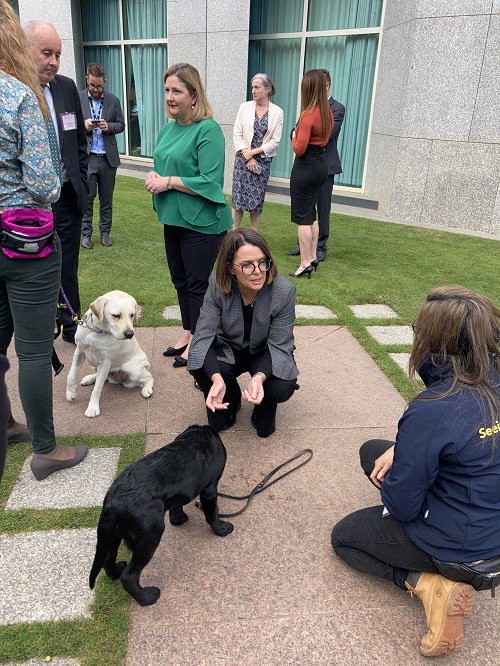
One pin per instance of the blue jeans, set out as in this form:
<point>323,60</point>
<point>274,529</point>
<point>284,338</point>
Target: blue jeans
<point>373,544</point>
<point>28,302</point>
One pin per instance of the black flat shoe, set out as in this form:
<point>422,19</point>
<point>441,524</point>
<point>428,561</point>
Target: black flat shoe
<point>307,271</point>
<point>179,362</point>
<point>172,351</point>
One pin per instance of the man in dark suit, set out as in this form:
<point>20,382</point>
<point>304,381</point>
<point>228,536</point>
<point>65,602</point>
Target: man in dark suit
<point>324,203</point>
<point>63,100</point>
<point>103,121</point>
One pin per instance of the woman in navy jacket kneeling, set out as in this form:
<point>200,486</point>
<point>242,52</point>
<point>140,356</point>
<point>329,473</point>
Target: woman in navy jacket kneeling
<point>440,482</point>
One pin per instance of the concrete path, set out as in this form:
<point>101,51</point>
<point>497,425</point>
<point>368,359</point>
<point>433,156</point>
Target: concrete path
<point>272,592</point>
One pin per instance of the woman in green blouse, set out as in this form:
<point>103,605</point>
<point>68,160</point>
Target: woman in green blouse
<point>186,185</point>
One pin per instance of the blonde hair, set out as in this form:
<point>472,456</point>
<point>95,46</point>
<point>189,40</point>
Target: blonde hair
<point>190,77</point>
<point>15,55</point>
<point>312,94</point>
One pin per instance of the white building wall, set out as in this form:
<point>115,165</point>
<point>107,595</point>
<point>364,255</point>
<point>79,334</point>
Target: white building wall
<point>434,153</point>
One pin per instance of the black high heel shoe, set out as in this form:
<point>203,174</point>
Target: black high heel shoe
<point>315,264</point>
<point>307,271</point>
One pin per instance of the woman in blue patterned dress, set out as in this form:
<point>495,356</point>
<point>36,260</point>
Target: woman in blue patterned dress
<point>29,287</point>
<point>256,136</point>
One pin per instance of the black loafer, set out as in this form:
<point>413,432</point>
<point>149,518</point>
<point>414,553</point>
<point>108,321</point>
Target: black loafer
<point>172,351</point>
<point>69,337</point>
<point>294,253</point>
<point>179,362</point>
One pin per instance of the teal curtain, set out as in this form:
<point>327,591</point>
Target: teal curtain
<point>270,16</point>
<point>110,58</point>
<point>351,62</point>
<point>343,14</point>
<point>145,82</point>
<point>144,20</point>
<point>280,59</point>
<point>100,20</point>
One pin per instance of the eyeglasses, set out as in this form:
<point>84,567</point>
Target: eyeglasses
<point>248,268</point>
<point>95,87</point>
<point>413,325</point>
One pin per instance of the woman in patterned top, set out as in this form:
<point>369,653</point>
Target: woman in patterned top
<point>256,136</point>
<point>29,287</point>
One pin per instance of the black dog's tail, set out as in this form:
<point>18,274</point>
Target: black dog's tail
<point>105,534</point>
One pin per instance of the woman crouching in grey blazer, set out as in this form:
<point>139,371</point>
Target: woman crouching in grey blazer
<point>245,325</point>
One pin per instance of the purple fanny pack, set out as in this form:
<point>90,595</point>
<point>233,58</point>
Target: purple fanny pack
<point>27,233</point>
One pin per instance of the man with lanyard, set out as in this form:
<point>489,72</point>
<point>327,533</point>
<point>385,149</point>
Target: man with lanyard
<point>103,120</point>
<point>65,108</point>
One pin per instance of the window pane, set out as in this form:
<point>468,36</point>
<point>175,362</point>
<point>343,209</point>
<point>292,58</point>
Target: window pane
<point>144,20</point>
<point>273,16</point>
<point>280,58</point>
<point>351,63</point>
<point>144,67</point>
<point>100,20</point>
<point>343,14</point>
<point>110,58</point>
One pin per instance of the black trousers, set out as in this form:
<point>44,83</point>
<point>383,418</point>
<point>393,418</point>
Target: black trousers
<point>4,412</point>
<point>191,257</point>
<point>276,390</point>
<point>101,176</point>
<point>324,208</point>
<point>374,544</point>
<point>68,221</point>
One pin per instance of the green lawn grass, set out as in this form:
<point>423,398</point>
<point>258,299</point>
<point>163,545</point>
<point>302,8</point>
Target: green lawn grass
<point>367,262</point>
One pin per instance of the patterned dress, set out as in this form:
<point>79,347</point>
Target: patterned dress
<point>249,189</point>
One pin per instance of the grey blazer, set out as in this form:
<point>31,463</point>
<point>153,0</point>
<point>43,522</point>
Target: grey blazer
<point>221,317</point>
<point>112,114</point>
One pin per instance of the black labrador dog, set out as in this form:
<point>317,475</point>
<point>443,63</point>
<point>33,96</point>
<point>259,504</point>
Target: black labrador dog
<point>135,504</point>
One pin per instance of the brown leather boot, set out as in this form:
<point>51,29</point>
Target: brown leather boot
<point>445,603</point>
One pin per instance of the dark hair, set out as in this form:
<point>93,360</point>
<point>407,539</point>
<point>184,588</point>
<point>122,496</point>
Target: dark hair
<point>190,77</point>
<point>229,246</point>
<point>456,326</point>
<point>313,93</point>
<point>95,69</point>
<point>327,76</point>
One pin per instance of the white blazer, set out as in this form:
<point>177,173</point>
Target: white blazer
<point>243,128</point>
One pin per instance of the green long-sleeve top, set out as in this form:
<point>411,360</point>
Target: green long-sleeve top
<point>194,153</point>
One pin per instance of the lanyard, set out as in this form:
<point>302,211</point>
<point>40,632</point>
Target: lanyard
<point>95,116</point>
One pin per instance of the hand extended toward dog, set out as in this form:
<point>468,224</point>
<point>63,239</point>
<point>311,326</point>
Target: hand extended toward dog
<point>254,392</point>
<point>381,466</point>
<point>216,394</point>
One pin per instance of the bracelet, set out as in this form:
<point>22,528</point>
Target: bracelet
<point>262,375</point>
<point>169,183</point>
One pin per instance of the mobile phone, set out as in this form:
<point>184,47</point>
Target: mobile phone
<point>95,122</point>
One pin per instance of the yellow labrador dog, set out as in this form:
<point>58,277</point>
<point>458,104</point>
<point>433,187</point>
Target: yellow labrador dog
<point>106,339</point>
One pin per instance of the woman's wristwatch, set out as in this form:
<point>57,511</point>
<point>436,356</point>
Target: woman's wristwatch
<point>169,183</point>
<point>262,375</point>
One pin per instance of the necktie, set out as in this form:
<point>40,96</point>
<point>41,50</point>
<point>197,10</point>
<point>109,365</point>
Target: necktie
<point>53,144</point>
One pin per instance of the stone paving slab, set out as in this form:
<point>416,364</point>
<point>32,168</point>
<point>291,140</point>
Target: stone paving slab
<point>392,335</point>
<point>54,661</point>
<point>44,575</point>
<point>306,311</point>
<point>402,360</point>
<point>373,311</point>
<point>84,485</point>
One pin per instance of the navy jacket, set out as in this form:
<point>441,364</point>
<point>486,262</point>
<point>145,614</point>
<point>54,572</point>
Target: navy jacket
<point>332,154</point>
<point>444,484</point>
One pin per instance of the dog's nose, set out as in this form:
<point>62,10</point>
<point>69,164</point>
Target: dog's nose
<point>129,334</point>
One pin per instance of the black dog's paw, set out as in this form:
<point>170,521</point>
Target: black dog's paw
<point>148,596</point>
<point>115,571</point>
<point>223,528</point>
<point>177,516</point>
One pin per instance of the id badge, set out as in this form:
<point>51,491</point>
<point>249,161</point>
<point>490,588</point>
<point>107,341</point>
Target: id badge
<point>68,121</point>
